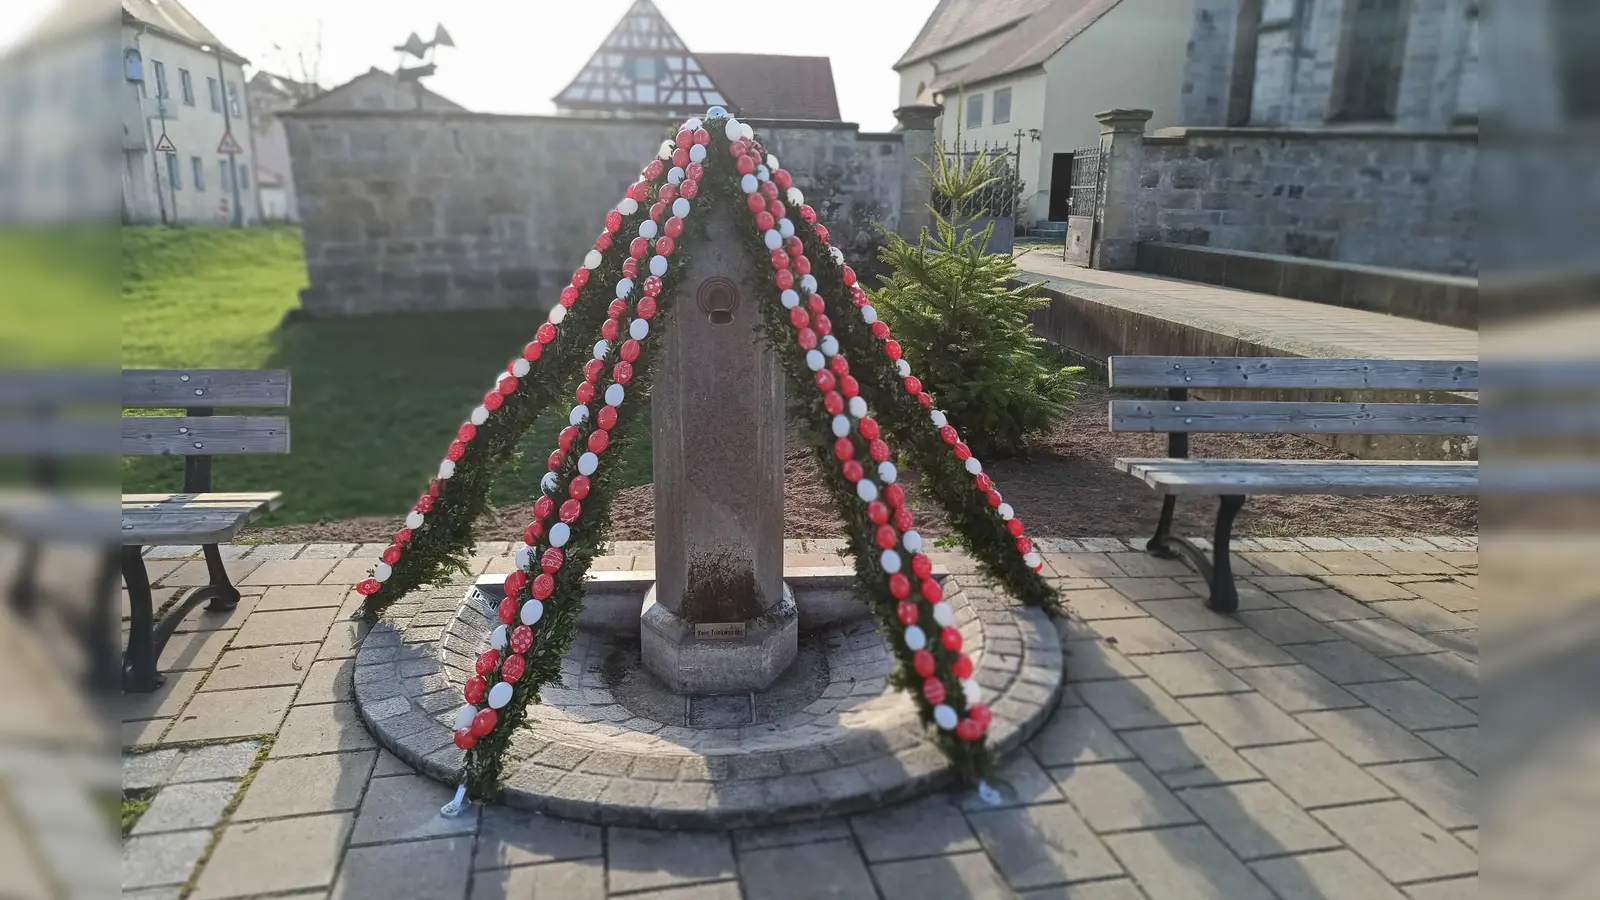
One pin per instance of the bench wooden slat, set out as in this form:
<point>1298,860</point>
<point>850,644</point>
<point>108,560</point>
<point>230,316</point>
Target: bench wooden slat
<point>1269,417</point>
<point>155,519</point>
<point>1266,476</point>
<point>204,436</point>
<point>184,388</point>
<point>1292,372</point>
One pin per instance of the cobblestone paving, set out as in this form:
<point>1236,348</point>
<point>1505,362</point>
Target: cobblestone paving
<point>1320,743</point>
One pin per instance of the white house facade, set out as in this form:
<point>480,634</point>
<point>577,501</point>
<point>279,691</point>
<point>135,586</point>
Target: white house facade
<point>1034,73</point>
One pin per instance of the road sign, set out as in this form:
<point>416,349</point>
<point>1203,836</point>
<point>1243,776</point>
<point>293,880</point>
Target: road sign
<point>229,145</point>
<point>165,144</point>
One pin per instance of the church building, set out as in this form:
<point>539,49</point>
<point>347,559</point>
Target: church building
<point>644,70</point>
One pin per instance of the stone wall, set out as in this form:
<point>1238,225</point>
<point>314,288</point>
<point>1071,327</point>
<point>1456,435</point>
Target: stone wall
<point>1379,198</point>
<point>453,210</point>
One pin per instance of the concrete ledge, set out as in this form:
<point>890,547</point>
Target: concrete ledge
<point>1424,296</point>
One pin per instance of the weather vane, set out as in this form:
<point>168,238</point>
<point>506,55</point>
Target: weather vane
<point>423,50</point>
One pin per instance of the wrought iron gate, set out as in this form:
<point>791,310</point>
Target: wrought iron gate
<point>1082,200</point>
<point>996,202</point>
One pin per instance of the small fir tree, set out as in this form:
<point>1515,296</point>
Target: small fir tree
<point>948,303</point>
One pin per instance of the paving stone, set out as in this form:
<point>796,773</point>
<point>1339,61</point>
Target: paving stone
<point>1246,720</point>
<point>771,836</point>
<point>819,870</point>
<point>1399,841</point>
<point>1257,820</point>
<point>436,868</point>
<point>1020,781</point>
<point>1326,605</point>
<point>147,770</point>
<point>166,893</point>
<point>919,828</point>
<point>1185,864</point>
<point>1077,734</point>
<point>1442,789</point>
<point>328,681</point>
<point>1189,614</point>
<point>303,596</point>
<point>1339,875</point>
<point>1160,588</point>
<point>280,855</point>
<point>228,714</point>
<point>327,551</point>
<point>1386,637</point>
<point>192,650</point>
<point>306,784</point>
<point>962,876</point>
<point>1120,889</point>
<point>1102,603</point>
<point>182,807</point>
<point>1280,583</point>
<point>578,880</point>
<point>1135,636</point>
<point>262,667</point>
<point>1462,642</point>
<point>1451,595</point>
<point>202,618</point>
<point>1189,755</point>
<point>1422,616</point>
<point>1414,705</point>
<point>1344,663</point>
<point>216,762</point>
<point>1284,563</point>
<point>509,837</point>
<point>1449,889</point>
<point>1297,688</point>
<point>195,574</point>
<point>1135,703</point>
<point>348,572</point>
<point>322,728</point>
<point>1188,674</point>
<point>406,807</point>
<point>1286,626</point>
<point>1314,774</point>
<point>1350,562</point>
<point>1143,565</point>
<point>1082,565</point>
<point>1120,796</point>
<point>1414,562</point>
<point>148,731</point>
<point>344,636</point>
<point>1366,736</point>
<point>640,859</point>
<point>265,552</point>
<point>1095,660</point>
<point>292,626</point>
<point>1043,844</point>
<point>289,571</point>
<point>1239,647</point>
<point>1368,588</point>
<point>1460,744</point>
<point>161,859</point>
<point>174,552</point>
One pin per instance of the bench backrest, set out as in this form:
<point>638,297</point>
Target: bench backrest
<point>1181,415</point>
<point>198,435</point>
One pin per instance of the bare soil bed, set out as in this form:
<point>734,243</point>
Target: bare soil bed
<point>1065,486</point>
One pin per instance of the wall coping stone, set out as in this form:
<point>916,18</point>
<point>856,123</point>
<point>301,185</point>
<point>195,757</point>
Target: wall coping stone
<point>1180,133</point>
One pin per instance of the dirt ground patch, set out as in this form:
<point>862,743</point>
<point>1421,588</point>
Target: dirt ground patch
<point>1064,487</point>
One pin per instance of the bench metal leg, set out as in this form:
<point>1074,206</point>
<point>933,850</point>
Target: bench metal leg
<point>224,596</point>
<point>1224,597</point>
<point>1160,544</point>
<point>139,673</point>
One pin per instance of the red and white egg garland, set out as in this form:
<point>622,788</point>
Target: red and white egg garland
<point>533,580</point>
<point>504,386</point>
<point>761,179</point>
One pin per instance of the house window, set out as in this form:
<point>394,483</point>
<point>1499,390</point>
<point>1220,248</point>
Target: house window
<point>1002,105</point>
<point>199,166</point>
<point>133,65</point>
<point>233,98</point>
<point>975,111</point>
<point>161,79</point>
<point>1370,60</point>
<point>186,86</point>
<point>172,172</point>
<point>216,94</point>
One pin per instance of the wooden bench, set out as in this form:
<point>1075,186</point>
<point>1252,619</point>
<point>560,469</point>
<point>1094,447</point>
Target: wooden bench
<point>196,516</point>
<point>1232,480</point>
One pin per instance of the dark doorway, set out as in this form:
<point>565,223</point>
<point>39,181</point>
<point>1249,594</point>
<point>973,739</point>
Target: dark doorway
<point>1060,186</point>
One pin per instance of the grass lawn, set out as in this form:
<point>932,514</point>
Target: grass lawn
<point>375,400</point>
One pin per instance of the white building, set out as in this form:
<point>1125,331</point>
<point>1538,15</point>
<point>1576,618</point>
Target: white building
<point>183,102</point>
<point>1044,68</point>
<point>270,95</point>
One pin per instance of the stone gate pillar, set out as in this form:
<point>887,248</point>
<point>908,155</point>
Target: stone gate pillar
<point>1116,240</point>
<point>719,619</point>
<point>916,189</point>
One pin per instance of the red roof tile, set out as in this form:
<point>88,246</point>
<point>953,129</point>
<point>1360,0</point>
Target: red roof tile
<point>761,86</point>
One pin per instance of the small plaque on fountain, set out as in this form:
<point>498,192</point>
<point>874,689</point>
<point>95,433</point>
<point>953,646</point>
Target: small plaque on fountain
<point>719,630</point>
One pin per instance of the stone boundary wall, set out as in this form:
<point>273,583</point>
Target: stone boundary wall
<point>1380,198</point>
<point>442,210</point>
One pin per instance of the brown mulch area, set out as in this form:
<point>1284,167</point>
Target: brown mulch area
<point>1064,487</point>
